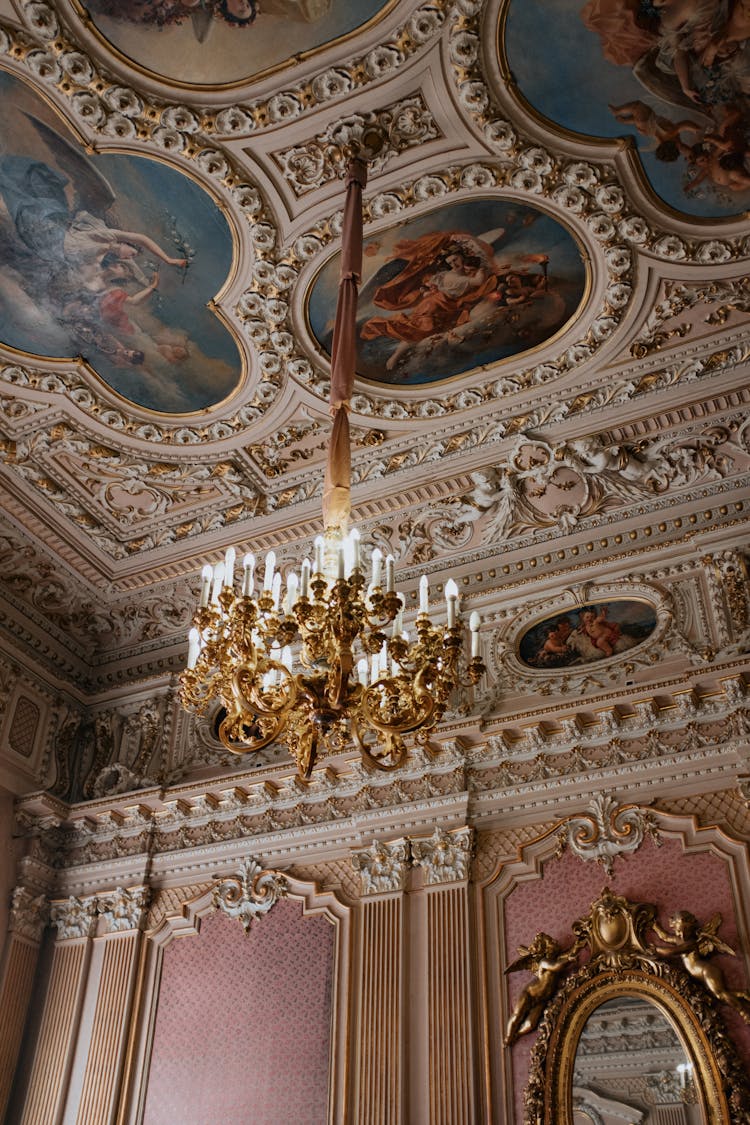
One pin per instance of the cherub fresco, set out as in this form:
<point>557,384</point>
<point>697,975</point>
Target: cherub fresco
<point>676,72</point>
<point>587,635</point>
<point>447,292</point>
<point>93,266</point>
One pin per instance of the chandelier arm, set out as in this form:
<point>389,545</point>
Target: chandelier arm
<point>406,726</point>
<point>253,703</point>
<point>257,743</point>
<point>394,748</point>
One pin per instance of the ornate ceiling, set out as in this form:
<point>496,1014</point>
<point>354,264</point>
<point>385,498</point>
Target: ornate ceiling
<point>552,398</point>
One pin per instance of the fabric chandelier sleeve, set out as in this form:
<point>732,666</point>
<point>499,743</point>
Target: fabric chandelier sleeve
<point>337,485</point>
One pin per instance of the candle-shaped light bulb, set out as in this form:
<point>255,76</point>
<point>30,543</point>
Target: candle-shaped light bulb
<point>374,667</point>
<point>474,623</point>
<point>340,562</point>
<point>292,587</point>
<point>268,572</point>
<point>276,589</point>
<point>356,543</point>
<point>229,559</point>
<point>304,588</point>
<point>451,597</point>
<point>206,577</point>
<point>362,671</point>
<point>286,658</point>
<point>194,647</point>
<point>398,623</point>
<point>218,582</point>
<point>377,564</point>
<point>390,574</point>
<point>248,575</point>
<point>424,594</point>
<point>384,658</point>
<point>318,554</point>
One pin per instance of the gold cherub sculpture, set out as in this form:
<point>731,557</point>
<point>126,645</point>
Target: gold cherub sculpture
<point>545,958</point>
<point>693,943</point>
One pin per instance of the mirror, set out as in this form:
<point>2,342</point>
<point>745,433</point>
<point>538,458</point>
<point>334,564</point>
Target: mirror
<point>631,1066</point>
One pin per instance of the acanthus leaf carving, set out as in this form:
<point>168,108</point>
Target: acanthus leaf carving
<point>607,830</point>
<point>382,867</point>
<point>251,893</point>
<point>125,908</point>
<point>445,856</point>
<point>29,913</point>
<point>74,917</point>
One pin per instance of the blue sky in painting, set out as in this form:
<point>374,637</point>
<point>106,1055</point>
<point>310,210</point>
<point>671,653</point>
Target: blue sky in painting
<point>558,66</point>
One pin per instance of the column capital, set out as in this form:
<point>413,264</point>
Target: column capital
<point>445,856</point>
<point>74,917</point>
<point>124,908</point>
<point>382,867</point>
<point>28,913</point>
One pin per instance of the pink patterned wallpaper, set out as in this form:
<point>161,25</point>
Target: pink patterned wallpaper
<point>662,875</point>
<point>243,1023</point>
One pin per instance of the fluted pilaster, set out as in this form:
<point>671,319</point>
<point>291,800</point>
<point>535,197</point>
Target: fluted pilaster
<point>445,858</point>
<point>27,920</point>
<point>75,920</point>
<point>380,1090</point>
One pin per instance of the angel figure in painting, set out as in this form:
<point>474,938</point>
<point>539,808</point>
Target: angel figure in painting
<point>547,961</point>
<point>693,943</point>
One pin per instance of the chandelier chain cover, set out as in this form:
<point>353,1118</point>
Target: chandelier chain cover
<point>330,665</point>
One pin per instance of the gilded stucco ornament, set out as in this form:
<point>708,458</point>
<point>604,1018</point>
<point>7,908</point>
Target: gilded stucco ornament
<point>74,917</point>
<point>607,830</point>
<point>125,908</point>
<point>625,962</point>
<point>29,912</point>
<point>731,296</point>
<point>250,894</point>
<point>382,867</point>
<point>445,856</point>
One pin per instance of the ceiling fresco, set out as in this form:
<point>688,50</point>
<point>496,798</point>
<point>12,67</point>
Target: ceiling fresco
<point>113,258</point>
<point>552,393</point>
<point>673,76</point>
<point>216,42</point>
<point>466,285</point>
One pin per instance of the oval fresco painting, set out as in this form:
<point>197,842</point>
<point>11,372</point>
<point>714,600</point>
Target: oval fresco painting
<point>215,42</point>
<point>672,74</point>
<point>586,635</point>
<point>470,284</point>
<point>113,259</point>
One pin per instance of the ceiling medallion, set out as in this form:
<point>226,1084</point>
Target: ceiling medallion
<point>318,669</point>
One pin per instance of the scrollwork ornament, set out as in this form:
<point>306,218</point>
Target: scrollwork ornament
<point>607,830</point>
<point>123,908</point>
<point>382,867</point>
<point>29,913</point>
<point>74,917</point>
<point>445,856</point>
<point>251,893</point>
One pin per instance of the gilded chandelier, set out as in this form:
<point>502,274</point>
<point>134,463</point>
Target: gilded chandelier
<point>329,664</point>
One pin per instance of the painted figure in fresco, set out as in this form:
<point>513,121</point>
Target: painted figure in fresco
<point>603,633</point>
<point>687,53</point>
<point>202,14</point>
<point>581,637</point>
<point>693,943</point>
<point>446,281</point>
<point>545,958</point>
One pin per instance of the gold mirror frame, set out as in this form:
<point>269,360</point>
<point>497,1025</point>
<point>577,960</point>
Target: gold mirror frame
<point>625,963</point>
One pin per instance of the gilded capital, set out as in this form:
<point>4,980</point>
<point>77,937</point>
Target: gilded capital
<point>123,909</point>
<point>445,856</point>
<point>382,867</point>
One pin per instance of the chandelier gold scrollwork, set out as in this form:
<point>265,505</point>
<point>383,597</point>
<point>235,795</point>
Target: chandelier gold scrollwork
<point>330,664</point>
<point>361,678</point>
